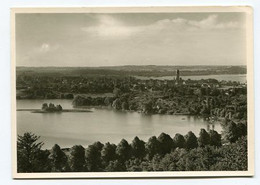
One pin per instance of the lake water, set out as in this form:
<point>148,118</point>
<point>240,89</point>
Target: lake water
<point>104,125</point>
<point>229,77</point>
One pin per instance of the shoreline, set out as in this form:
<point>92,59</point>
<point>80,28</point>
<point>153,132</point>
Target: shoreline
<point>81,109</point>
<point>86,109</point>
<point>64,110</point>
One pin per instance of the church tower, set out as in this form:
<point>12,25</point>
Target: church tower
<point>178,76</point>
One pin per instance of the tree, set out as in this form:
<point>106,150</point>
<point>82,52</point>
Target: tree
<point>58,108</point>
<point>241,129</point>
<point>51,107</point>
<point>77,158</point>
<point>108,153</point>
<point>117,104</point>
<point>230,132</point>
<point>179,141</point>
<point>117,92</point>
<point>205,110</point>
<point>43,163</point>
<point>148,107</point>
<point>108,101</point>
<point>78,101</point>
<point>30,157</point>
<point>93,157</point>
<point>115,166</point>
<point>27,149</point>
<point>199,159</point>
<point>215,138</point>
<point>69,96</point>
<point>44,106</point>
<point>59,160</point>
<point>134,165</point>
<point>234,157</point>
<point>204,138</point>
<point>152,147</point>
<point>125,106</point>
<point>166,143</point>
<point>191,140</point>
<point>123,150</point>
<point>170,161</point>
<point>155,163</point>
<point>138,148</point>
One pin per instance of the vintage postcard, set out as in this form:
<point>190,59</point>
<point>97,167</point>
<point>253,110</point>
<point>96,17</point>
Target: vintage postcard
<point>133,92</point>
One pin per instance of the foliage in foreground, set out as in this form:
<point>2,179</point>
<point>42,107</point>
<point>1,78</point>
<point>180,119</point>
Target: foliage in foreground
<point>180,153</point>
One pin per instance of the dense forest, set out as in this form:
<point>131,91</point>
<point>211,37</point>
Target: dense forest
<point>210,151</point>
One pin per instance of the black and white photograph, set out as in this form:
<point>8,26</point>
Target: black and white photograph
<point>132,92</point>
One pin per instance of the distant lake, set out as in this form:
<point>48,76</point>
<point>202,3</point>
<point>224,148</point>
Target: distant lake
<point>229,77</point>
<point>104,125</point>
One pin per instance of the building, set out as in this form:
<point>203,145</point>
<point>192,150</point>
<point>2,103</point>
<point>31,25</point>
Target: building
<point>177,80</point>
<point>178,76</point>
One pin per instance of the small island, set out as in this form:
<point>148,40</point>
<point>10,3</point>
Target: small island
<point>51,108</point>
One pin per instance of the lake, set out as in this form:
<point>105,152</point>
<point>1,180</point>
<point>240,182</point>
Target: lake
<point>103,124</point>
<point>227,77</point>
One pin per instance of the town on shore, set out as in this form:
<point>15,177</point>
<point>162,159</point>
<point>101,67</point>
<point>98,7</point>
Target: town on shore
<point>209,98</point>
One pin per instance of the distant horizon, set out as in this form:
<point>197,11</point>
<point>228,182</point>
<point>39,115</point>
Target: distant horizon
<point>134,66</point>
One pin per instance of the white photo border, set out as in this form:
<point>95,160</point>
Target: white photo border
<point>250,92</point>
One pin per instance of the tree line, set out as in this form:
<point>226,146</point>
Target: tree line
<point>209,151</point>
<point>220,105</point>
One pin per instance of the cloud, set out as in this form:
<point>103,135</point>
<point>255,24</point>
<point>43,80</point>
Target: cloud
<point>109,26</point>
<point>183,25</point>
<point>45,47</point>
<point>39,51</point>
<point>211,22</point>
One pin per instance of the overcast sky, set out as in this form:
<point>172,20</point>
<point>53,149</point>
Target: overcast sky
<point>130,39</point>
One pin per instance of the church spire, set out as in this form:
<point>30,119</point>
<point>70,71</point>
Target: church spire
<point>177,76</point>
